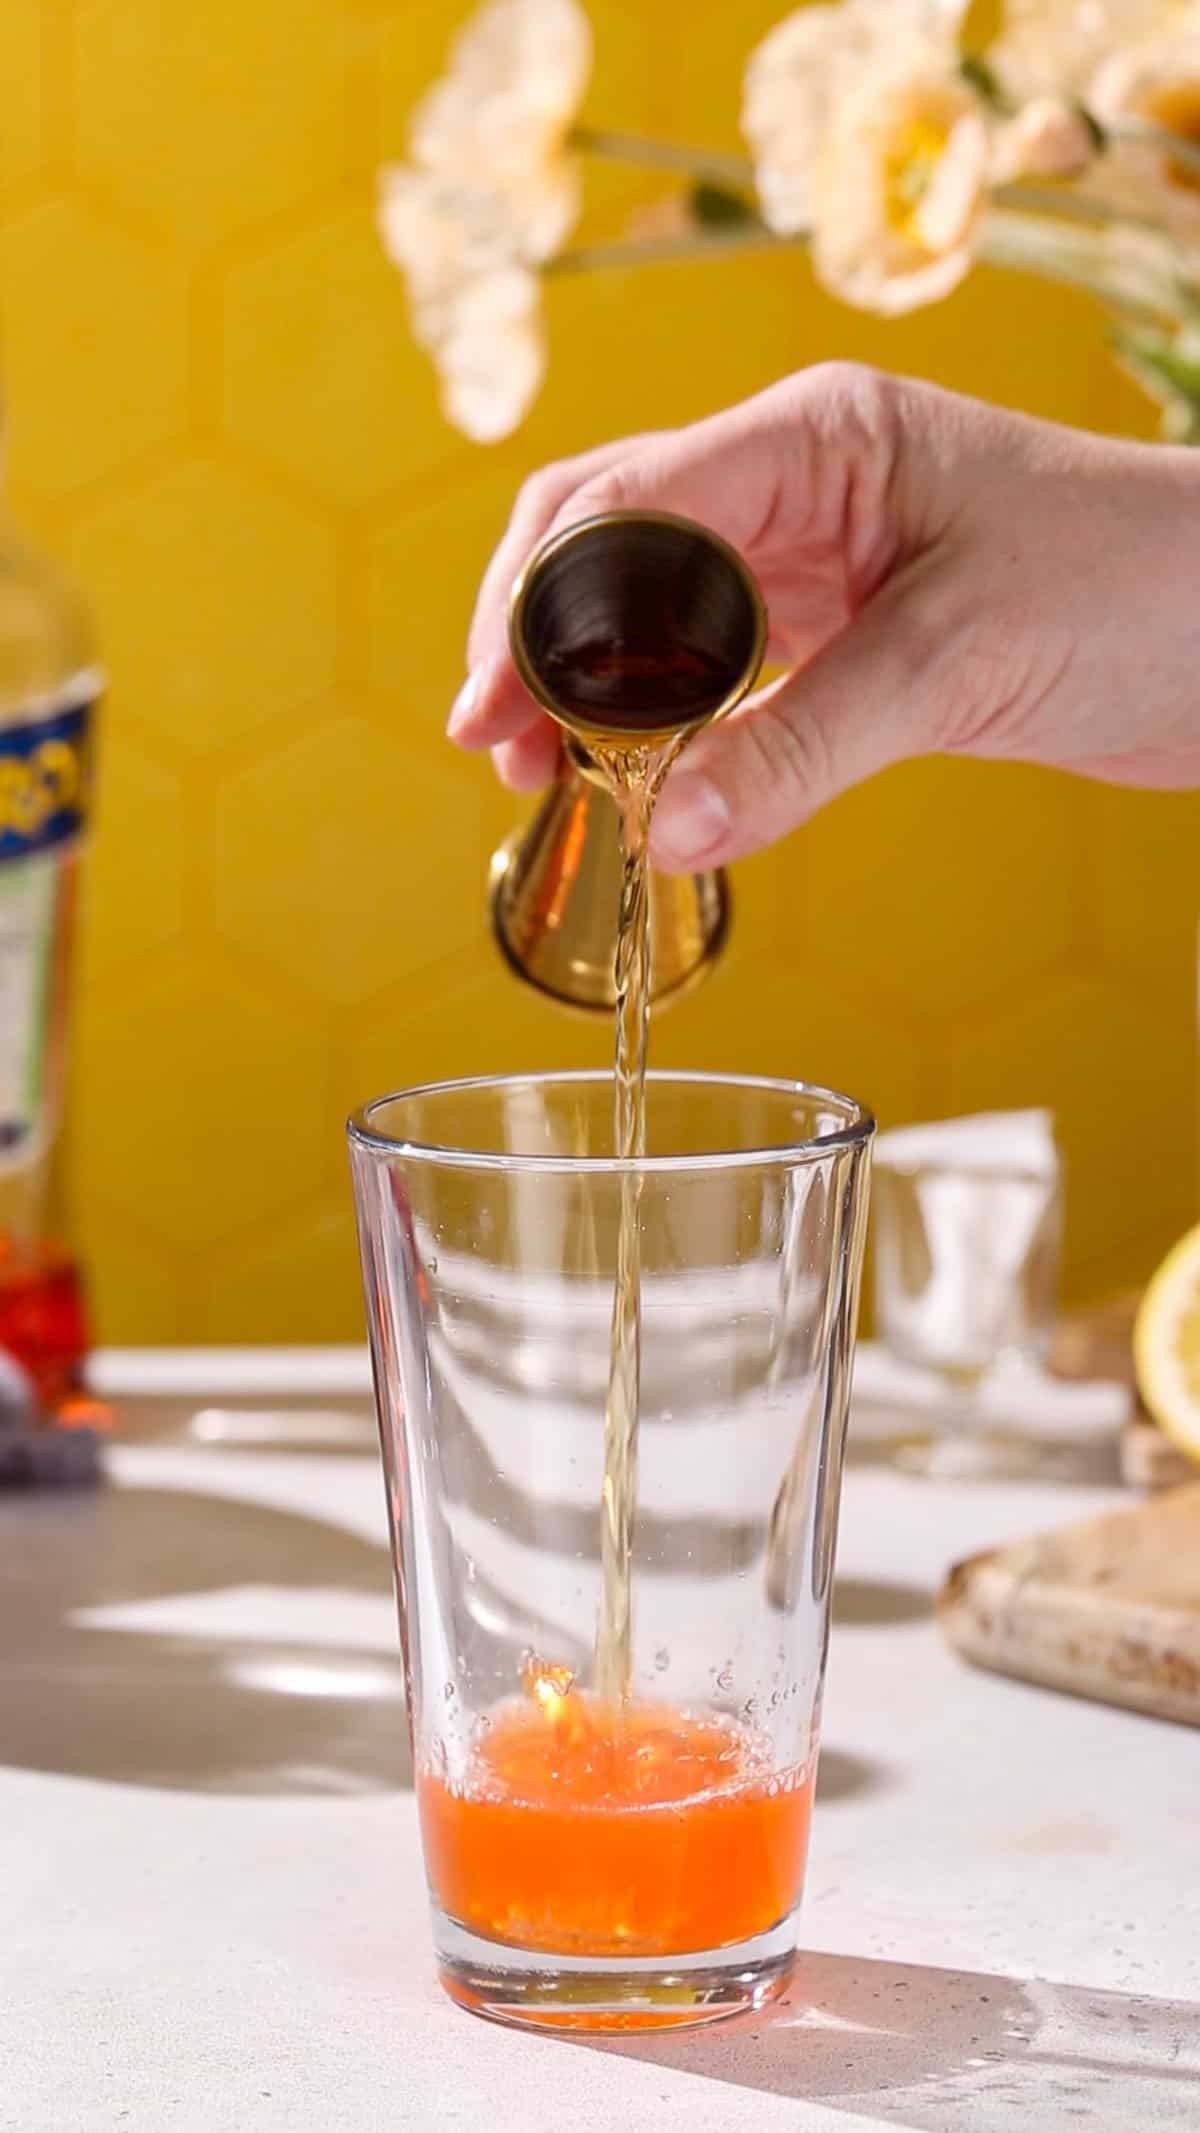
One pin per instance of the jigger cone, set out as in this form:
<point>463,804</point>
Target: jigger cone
<point>554,891</point>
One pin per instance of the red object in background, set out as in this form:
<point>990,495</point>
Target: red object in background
<point>43,1325</point>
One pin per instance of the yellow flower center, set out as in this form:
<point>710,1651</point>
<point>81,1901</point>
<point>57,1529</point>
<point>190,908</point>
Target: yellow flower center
<point>1176,109</point>
<point>914,155</point>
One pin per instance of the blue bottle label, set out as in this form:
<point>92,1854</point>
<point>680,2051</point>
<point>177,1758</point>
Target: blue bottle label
<point>45,794</point>
<point>45,780</point>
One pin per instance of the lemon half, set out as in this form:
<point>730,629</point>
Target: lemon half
<point>1166,1345</point>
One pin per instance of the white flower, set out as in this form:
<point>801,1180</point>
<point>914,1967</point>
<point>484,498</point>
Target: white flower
<point>492,358</point>
<point>1047,139</point>
<point>501,115</point>
<point>797,77</point>
<point>1056,45</point>
<point>791,82</point>
<point>901,184</point>
<point>1155,84</point>
<point>475,305</point>
<point>492,191</point>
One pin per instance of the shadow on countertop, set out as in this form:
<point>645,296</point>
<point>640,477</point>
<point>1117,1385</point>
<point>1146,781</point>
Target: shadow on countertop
<point>936,2050</point>
<point>206,1709</point>
<point>867,1603</point>
<point>201,1712</point>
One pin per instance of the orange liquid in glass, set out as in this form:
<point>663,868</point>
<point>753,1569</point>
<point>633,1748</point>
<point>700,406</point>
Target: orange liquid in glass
<point>585,1829</point>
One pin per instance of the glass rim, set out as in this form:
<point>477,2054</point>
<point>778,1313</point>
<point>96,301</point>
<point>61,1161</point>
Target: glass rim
<point>856,1133</point>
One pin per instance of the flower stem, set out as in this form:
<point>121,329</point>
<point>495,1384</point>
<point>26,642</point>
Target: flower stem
<point>1065,205</point>
<point>1016,244</point>
<point>645,251</point>
<point>1146,135</point>
<point>662,155</point>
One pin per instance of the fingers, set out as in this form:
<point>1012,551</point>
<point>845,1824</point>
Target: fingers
<point>877,693</point>
<point>492,706</point>
<point>530,760</point>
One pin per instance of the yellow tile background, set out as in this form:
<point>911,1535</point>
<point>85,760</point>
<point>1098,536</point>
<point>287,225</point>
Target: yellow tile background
<point>218,416</point>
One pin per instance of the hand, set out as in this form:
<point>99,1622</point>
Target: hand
<point>941,576</point>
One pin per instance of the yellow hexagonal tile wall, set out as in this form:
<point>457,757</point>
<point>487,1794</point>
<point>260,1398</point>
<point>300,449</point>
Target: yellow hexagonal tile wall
<point>1145,864</point>
<point>315,858</point>
<point>96,344</point>
<point>828,1028</point>
<point>244,600</point>
<point>207,120</point>
<point>22,68</point>
<point>480,1018</point>
<point>999,865</point>
<point>415,634</point>
<point>219,414</point>
<point>322,375</point>
<point>139,1290</point>
<point>1123,1088</point>
<point>222,1099</point>
<point>135,880</point>
<point>301,1276</point>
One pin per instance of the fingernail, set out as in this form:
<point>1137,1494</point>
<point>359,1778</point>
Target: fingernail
<point>691,821</point>
<point>462,710</point>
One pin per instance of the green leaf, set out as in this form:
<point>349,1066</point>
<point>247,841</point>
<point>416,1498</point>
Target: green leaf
<point>1170,375</point>
<point>1162,364</point>
<point>977,74</point>
<point>715,208</point>
<point>1095,131</point>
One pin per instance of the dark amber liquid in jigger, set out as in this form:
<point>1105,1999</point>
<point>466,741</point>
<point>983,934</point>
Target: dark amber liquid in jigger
<point>627,693</point>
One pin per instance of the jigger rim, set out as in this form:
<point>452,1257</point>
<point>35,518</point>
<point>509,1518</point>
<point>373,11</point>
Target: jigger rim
<point>856,1131</point>
<point>566,537</point>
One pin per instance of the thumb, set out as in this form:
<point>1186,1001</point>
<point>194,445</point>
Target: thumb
<point>871,696</point>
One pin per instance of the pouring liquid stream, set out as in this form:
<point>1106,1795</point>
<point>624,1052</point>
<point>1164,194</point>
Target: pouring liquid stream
<point>598,1821</point>
<point>592,1818</point>
<point>635,775</point>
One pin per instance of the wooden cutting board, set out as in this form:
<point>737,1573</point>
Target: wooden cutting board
<point>1109,1608</point>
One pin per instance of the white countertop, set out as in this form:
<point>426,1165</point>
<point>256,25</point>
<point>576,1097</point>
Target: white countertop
<point>212,1900</point>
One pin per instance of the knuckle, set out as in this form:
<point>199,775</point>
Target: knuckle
<point>788,757</point>
<point>836,377</point>
<point>539,492</point>
<point>853,401</point>
<point>612,490</point>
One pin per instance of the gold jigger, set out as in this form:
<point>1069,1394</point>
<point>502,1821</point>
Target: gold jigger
<point>627,628</point>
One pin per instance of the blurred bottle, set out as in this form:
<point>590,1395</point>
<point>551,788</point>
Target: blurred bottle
<point>48,689</point>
